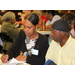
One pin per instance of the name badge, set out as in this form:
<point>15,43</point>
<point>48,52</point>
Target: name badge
<point>35,51</point>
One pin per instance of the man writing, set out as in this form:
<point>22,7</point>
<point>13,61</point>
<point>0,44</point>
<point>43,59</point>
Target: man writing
<point>62,48</point>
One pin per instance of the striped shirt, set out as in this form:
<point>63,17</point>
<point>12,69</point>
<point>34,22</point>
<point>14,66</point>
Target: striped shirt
<point>62,55</point>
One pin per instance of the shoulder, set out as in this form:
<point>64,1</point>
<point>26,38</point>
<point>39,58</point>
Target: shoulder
<point>42,37</point>
<point>57,16</point>
<point>72,39</point>
<point>21,33</point>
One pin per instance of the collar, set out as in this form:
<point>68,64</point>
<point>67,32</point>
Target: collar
<point>68,41</point>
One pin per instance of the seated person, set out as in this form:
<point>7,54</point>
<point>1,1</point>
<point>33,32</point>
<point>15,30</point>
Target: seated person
<point>0,22</point>
<point>70,18</point>
<point>62,48</point>
<point>52,17</point>
<point>26,12</point>
<point>8,27</point>
<point>33,45</point>
<point>42,20</point>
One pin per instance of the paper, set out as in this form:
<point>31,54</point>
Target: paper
<point>12,61</point>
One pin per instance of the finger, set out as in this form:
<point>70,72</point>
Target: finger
<point>4,58</point>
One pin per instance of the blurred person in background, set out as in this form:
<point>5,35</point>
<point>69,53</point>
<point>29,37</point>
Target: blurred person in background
<point>42,19</point>
<point>52,17</point>
<point>23,16</point>
<point>39,13</point>
<point>70,18</point>
<point>8,27</point>
<point>1,42</point>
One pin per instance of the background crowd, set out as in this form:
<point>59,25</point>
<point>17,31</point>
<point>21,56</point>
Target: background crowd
<point>14,21</point>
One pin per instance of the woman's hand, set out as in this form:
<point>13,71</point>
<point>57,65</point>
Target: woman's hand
<point>4,58</point>
<point>21,58</point>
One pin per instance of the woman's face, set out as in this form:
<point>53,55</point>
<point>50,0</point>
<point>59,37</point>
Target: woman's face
<point>29,28</point>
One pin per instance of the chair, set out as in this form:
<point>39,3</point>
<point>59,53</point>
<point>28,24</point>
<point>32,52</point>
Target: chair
<point>6,37</point>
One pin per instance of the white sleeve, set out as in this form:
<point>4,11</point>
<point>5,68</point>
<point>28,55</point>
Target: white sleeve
<point>55,18</point>
<point>48,23</point>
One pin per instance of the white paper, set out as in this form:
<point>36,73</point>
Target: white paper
<point>12,61</point>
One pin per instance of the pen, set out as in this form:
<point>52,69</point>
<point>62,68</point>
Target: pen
<point>21,53</point>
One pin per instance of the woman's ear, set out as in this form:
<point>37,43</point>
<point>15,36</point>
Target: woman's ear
<point>36,26</point>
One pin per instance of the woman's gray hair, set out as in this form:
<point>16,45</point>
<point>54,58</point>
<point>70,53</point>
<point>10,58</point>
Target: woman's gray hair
<point>8,16</point>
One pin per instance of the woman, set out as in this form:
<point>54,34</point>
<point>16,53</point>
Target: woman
<point>8,27</point>
<point>31,44</point>
<point>70,18</point>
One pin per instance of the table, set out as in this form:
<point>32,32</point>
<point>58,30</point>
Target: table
<point>47,34</point>
<point>44,32</point>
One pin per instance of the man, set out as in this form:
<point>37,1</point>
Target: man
<point>52,17</point>
<point>62,48</point>
<point>31,44</point>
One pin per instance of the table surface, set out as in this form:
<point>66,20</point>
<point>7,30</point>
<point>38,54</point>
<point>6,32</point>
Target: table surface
<point>44,32</point>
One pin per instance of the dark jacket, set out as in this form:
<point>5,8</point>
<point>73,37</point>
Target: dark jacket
<point>19,45</point>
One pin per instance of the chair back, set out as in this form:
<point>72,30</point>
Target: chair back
<point>6,37</point>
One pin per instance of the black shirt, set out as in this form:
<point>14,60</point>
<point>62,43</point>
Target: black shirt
<point>19,45</point>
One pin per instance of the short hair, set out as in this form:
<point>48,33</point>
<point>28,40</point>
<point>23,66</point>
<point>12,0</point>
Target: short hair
<point>51,11</point>
<point>69,17</point>
<point>8,16</point>
<point>34,19</point>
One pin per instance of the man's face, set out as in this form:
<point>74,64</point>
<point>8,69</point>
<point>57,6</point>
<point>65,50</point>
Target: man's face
<point>29,28</point>
<point>56,35</point>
